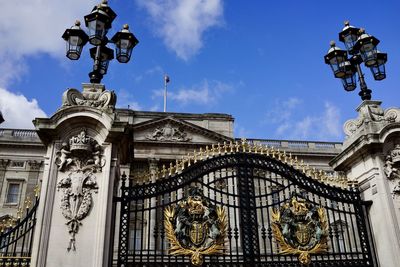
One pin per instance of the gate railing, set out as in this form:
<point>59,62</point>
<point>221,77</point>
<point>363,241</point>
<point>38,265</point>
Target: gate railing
<point>250,183</point>
<point>16,236</point>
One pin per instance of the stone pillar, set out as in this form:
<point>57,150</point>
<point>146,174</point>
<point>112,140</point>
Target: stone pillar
<point>33,176</point>
<point>85,145</point>
<point>3,166</point>
<point>371,157</point>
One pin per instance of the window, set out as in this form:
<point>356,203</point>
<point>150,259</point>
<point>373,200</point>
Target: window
<point>13,193</point>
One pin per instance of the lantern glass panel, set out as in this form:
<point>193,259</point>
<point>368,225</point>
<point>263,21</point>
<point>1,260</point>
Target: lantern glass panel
<point>350,40</point>
<point>336,64</point>
<point>379,72</point>
<point>368,53</point>
<point>104,66</point>
<point>124,50</point>
<point>349,82</point>
<point>97,31</point>
<point>74,47</point>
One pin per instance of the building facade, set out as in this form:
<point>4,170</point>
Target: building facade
<point>109,179</point>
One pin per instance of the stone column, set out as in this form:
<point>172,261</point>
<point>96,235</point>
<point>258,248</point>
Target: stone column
<point>85,145</point>
<point>3,166</point>
<point>33,176</point>
<point>369,157</point>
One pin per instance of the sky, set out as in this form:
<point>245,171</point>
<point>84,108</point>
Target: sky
<point>260,61</point>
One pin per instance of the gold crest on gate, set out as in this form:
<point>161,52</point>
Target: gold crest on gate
<point>301,228</point>
<point>195,227</point>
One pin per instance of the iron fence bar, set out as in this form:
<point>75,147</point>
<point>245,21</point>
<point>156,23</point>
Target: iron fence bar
<point>248,215</point>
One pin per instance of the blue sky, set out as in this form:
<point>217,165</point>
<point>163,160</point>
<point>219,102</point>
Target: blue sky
<point>261,61</point>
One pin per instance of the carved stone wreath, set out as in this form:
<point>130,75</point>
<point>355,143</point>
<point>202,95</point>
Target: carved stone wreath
<point>81,158</point>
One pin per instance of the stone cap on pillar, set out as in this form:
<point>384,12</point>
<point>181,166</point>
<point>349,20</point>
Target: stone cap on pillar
<point>366,134</point>
<point>93,95</point>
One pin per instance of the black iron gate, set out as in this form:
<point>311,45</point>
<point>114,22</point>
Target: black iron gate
<point>250,186</point>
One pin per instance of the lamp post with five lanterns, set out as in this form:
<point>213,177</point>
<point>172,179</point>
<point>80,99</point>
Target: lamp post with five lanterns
<point>362,47</point>
<point>98,23</point>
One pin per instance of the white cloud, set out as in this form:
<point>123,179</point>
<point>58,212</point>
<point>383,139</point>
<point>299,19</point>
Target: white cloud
<point>31,27</point>
<point>282,111</point>
<point>321,126</point>
<point>18,111</point>
<point>126,100</point>
<point>181,24</point>
<point>205,93</point>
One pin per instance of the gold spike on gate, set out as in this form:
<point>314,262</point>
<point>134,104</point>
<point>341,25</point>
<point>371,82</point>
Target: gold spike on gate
<point>219,149</point>
<point>176,166</point>
<point>272,152</point>
<point>188,159</point>
<point>201,153</point>
<point>207,153</point>
<point>170,169</point>
<point>231,146</point>
<point>243,145</point>
<point>194,156</point>
<point>303,168</point>
<point>237,146</point>
<point>213,150</point>
<point>225,148</point>
<point>164,170</point>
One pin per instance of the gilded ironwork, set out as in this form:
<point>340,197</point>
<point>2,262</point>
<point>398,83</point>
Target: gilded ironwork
<point>196,228</point>
<point>300,228</point>
<point>255,183</point>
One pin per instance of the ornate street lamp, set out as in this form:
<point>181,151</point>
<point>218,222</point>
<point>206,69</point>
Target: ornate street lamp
<point>98,22</point>
<point>363,48</point>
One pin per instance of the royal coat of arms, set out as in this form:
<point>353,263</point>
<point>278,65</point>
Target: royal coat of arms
<point>195,228</point>
<point>300,228</point>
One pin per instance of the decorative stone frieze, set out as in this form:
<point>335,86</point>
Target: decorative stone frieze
<point>93,95</point>
<point>80,159</point>
<point>168,133</point>
<point>370,112</point>
<point>35,164</point>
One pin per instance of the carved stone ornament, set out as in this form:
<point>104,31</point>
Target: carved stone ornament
<point>92,96</point>
<point>80,158</point>
<point>168,133</point>
<point>4,163</point>
<point>300,228</point>
<point>370,111</point>
<point>195,228</point>
<point>35,164</point>
<point>392,168</point>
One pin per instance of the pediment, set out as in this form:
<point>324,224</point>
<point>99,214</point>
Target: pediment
<point>173,130</point>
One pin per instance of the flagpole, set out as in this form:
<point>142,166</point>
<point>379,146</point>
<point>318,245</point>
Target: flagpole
<point>165,94</point>
<point>166,80</point>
